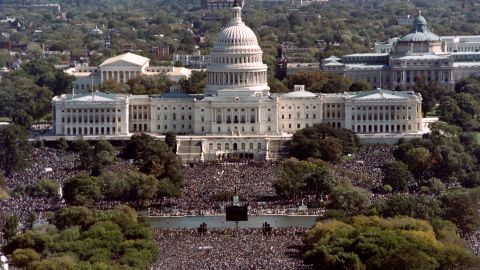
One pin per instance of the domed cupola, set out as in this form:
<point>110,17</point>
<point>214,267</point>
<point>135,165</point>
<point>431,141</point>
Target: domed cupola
<point>420,32</point>
<point>236,66</point>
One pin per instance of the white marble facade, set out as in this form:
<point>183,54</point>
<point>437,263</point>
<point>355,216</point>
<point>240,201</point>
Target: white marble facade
<point>237,114</point>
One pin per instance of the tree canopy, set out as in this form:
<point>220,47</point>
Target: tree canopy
<point>112,239</point>
<point>362,242</point>
<point>323,142</point>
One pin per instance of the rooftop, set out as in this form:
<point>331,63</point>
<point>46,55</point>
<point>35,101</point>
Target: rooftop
<point>127,57</point>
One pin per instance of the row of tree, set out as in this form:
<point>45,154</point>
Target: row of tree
<point>26,94</point>
<point>80,238</point>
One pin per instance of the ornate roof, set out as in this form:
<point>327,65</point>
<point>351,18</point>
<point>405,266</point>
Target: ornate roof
<point>237,53</point>
<point>420,32</point>
<point>236,33</point>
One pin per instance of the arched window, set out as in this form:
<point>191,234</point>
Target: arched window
<point>227,146</point>
<point>235,148</point>
<point>259,146</point>
<point>219,146</point>
<point>210,146</point>
<point>243,146</point>
<point>251,146</point>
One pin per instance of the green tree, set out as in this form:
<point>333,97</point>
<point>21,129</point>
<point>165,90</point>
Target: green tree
<point>195,84</point>
<point>171,141</point>
<point>420,161</point>
<point>416,206</point>
<point>10,227</point>
<point>330,149</point>
<point>308,143</point>
<point>359,86</point>
<point>292,177</point>
<point>24,257</point>
<point>431,93</point>
<point>313,81</point>
<point>114,87</point>
<point>336,84</point>
<point>103,154</point>
<point>81,190</point>
<point>14,148</point>
<point>83,240</point>
<point>397,175</point>
<point>461,207</point>
<point>351,200</point>
<point>321,181</point>
<point>128,186</point>
<point>167,189</point>
<point>156,158</point>
<point>74,216</point>
<point>374,243</point>
<point>276,86</point>
<point>45,188</point>
<point>149,85</point>
<point>45,74</point>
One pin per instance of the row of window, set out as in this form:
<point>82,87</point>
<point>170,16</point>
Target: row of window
<point>91,110</point>
<point>91,131</point>
<point>92,119</point>
<point>364,108</point>
<point>235,146</point>
<point>173,108</point>
<point>380,117</point>
<point>236,119</point>
<point>298,107</point>
<point>174,117</point>
<point>307,116</point>
<point>237,60</point>
<point>381,128</point>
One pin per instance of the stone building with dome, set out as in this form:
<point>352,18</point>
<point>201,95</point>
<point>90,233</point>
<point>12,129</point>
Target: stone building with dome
<point>237,116</point>
<point>397,63</point>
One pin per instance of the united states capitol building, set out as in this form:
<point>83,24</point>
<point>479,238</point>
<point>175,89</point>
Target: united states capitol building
<point>237,115</point>
<point>419,53</point>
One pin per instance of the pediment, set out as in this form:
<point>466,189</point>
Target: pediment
<point>121,63</point>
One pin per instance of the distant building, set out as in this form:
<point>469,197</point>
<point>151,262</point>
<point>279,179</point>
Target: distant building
<point>290,3</point>
<point>196,60</point>
<point>405,20</point>
<point>216,4</point>
<point>296,67</point>
<point>419,53</point>
<point>159,51</point>
<point>121,68</point>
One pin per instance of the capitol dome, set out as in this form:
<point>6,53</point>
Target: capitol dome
<point>236,66</point>
<point>237,34</point>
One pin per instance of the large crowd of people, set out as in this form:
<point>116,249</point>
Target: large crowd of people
<point>222,249</point>
<point>205,186</point>
<point>367,163</point>
<point>45,163</point>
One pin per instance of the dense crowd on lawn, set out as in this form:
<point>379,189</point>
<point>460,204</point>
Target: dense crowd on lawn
<point>204,183</point>
<point>221,249</point>
<point>252,181</point>
<point>367,163</point>
<point>44,163</point>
